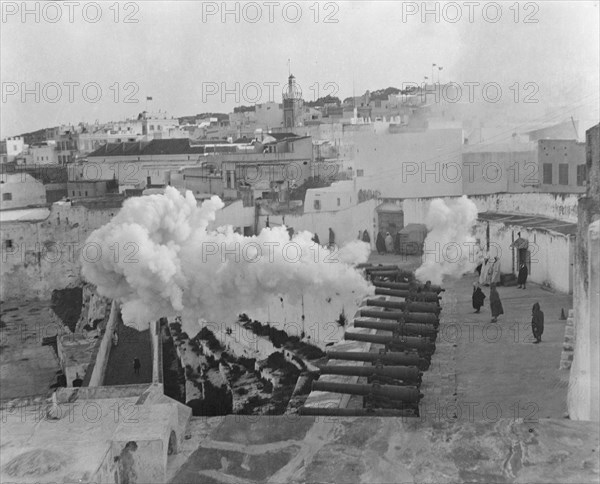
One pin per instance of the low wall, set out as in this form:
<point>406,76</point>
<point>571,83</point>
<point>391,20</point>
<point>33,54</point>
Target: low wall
<point>99,371</point>
<point>155,341</point>
<point>556,206</point>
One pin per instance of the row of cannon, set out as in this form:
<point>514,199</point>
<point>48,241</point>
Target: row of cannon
<point>395,374</point>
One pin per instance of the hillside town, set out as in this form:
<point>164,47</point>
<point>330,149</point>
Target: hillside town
<point>397,286</point>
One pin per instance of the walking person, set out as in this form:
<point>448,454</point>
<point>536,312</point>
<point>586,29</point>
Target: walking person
<point>522,277</point>
<point>380,244</point>
<point>537,323</point>
<point>115,338</point>
<point>331,238</point>
<point>315,239</point>
<point>495,303</point>
<point>136,365</point>
<point>478,297</point>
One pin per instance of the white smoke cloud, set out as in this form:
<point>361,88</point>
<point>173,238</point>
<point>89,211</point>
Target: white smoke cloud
<point>450,248</point>
<point>158,259</point>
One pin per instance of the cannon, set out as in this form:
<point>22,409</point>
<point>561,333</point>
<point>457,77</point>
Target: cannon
<point>388,358</point>
<point>422,345</point>
<point>357,412</point>
<point>423,318</point>
<point>406,329</point>
<point>405,394</point>
<point>373,268</point>
<point>418,296</point>
<point>405,286</point>
<point>404,373</point>
<point>415,307</point>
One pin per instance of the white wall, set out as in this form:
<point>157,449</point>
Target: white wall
<point>556,206</point>
<point>551,258</point>
<point>584,394</point>
<point>24,191</point>
<point>408,164</point>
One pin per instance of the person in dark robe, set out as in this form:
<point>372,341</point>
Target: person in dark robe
<point>478,297</point>
<point>397,243</point>
<point>380,244</point>
<point>136,366</point>
<point>537,323</point>
<point>315,239</point>
<point>365,237</point>
<point>331,237</point>
<point>495,303</point>
<point>522,278</point>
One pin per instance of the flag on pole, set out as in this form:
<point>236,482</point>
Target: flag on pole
<point>148,98</point>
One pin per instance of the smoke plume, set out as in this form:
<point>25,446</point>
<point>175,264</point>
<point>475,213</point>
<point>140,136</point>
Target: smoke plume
<point>158,259</point>
<point>450,248</point>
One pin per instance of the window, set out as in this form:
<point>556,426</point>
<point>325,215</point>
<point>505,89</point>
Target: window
<point>547,173</point>
<point>563,174</point>
<point>73,192</point>
<point>86,193</point>
<point>581,175</point>
<point>360,172</point>
<point>317,204</point>
<point>339,202</point>
<point>6,197</point>
<point>8,244</point>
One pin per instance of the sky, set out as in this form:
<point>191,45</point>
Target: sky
<point>191,59</point>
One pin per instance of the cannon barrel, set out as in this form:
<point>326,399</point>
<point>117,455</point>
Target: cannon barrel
<point>408,329</point>
<point>404,373</point>
<point>406,394</point>
<point>415,307</point>
<point>406,286</point>
<point>420,344</point>
<point>356,412</point>
<point>423,318</point>
<point>382,268</point>
<point>389,358</point>
<point>423,296</point>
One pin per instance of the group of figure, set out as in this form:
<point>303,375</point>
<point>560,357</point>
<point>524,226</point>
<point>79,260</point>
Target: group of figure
<point>331,244</point>
<point>387,244</point>
<point>364,236</point>
<point>537,316</point>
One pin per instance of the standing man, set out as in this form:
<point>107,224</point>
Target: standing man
<point>136,365</point>
<point>331,238</point>
<point>537,323</point>
<point>522,278</point>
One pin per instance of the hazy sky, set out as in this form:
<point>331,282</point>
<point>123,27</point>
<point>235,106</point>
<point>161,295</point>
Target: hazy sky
<point>174,54</point>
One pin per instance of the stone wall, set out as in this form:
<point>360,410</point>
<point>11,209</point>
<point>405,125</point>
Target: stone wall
<point>45,255</point>
<point>583,399</point>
